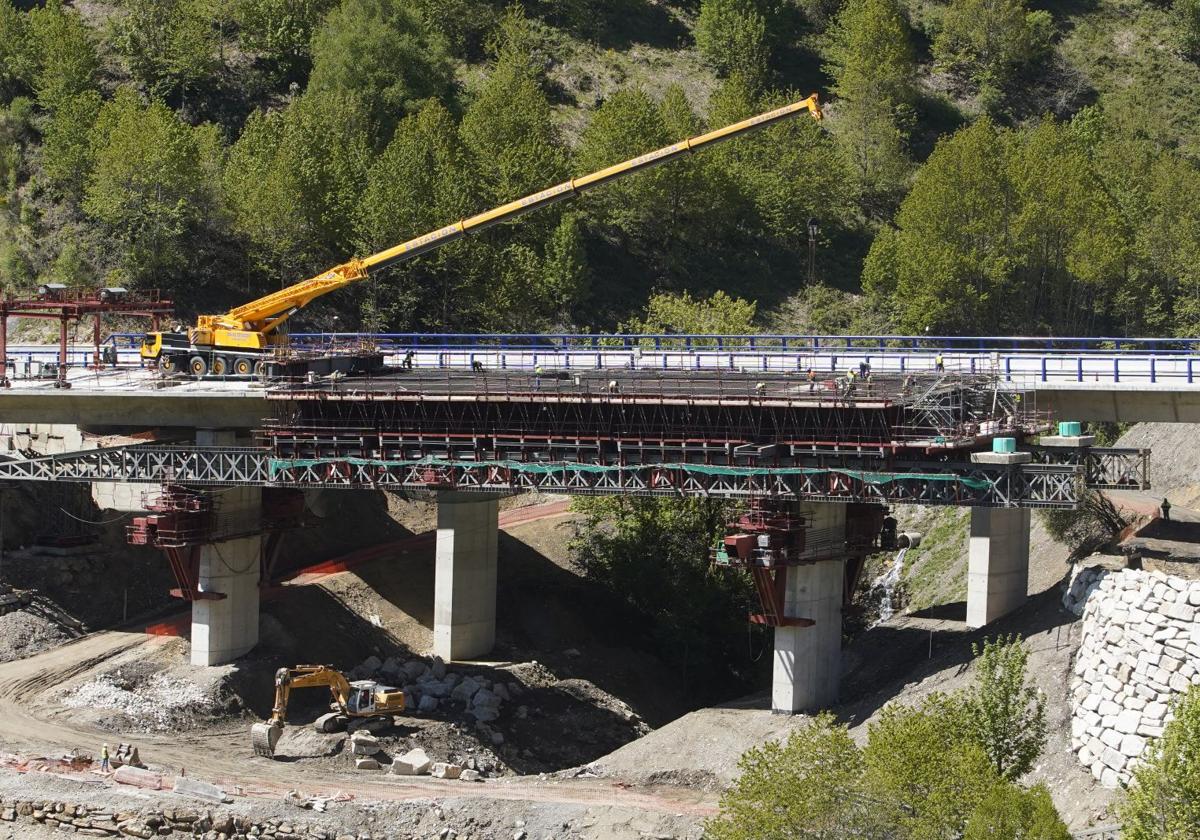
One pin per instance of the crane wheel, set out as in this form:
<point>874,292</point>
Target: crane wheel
<point>260,367</point>
<point>243,366</point>
<point>264,737</point>
<point>220,366</point>
<point>198,367</point>
<point>331,722</point>
<point>167,364</point>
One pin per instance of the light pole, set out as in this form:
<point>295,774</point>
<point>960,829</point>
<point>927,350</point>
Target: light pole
<point>813,230</point>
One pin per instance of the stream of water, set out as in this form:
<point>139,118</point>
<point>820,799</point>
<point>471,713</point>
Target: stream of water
<point>887,581</point>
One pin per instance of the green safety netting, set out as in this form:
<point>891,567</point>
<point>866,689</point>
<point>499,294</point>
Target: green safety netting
<point>278,465</point>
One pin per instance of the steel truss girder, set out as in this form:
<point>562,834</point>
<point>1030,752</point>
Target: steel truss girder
<point>1105,468</point>
<point>1029,485</point>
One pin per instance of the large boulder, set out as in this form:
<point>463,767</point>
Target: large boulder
<point>413,763</point>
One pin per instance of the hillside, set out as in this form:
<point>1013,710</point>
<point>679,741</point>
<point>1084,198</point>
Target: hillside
<point>217,151</point>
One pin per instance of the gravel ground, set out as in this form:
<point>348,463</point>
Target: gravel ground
<point>24,634</point>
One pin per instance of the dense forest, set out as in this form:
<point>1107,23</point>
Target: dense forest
<point>986,166</point>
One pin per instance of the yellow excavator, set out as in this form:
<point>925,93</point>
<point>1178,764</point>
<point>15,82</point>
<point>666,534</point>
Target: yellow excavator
<point>358,699</point>
<point>238,342</point>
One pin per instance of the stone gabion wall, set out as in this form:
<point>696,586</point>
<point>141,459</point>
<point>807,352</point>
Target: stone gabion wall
<point>1140,649</point>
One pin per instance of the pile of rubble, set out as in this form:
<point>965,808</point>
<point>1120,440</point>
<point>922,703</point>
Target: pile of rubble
<point>100,822</point>
<point>1140,649</point>
<point>146,703</point>
<point>428,686</point>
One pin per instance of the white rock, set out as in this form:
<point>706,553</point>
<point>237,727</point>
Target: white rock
<point>1132,745</point>
<point>1127,721</point>
<point>1181,612</point>
<point>469,776</point>
<point>413,763</point>
<point>445,770</point>
<point>1110,738</point>
<point>366,764</point>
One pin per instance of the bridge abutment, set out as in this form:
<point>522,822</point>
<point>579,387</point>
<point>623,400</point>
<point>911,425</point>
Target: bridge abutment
<point>464,612</point>
<point>808,660</point>
<point>998,564</point>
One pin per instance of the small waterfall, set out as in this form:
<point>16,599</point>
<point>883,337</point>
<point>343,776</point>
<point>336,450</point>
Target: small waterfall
<point>887,582</point>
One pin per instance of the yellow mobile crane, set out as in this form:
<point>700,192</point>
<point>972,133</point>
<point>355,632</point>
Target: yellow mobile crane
<point>238,341</point>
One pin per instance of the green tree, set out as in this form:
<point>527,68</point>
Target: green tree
<point>1164,800</point>
<point>811,787</point>
<point>732,36</point>
<point>1014,813</point>
<point>652,556</point>
<point>280,30</point>
<point>169,46</point>
<point>155,178</point>
<point>1187,22</point>
<point>947,263</point>
<point>927,773</point>
<point>67,143</point>
<point>991,41</point>
<point>508,125</point>
<point>63,53</point>
<point>293,182</point>
<point>870,58</point>
<point>920,776</point>
<point>16,70</point>
<point>681,313</point>
<point>869,53</point>
<point>424,179</point>
<point>380,52</point>
<point>1004,713</point>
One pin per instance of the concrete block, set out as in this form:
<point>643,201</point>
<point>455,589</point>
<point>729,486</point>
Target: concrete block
<point>366,764</point>
<point>413,763</point>
<point>138,778</point>
<point>197,789</point>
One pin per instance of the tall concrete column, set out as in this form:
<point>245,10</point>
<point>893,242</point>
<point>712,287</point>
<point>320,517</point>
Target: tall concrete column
<point>223,630</point>
<point>998,566</point>
<point>808,660</point>
<point>464,611</point>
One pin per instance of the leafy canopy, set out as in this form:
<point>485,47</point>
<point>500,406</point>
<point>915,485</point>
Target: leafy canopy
<point>380,52</point>
<point>154,178</point>
<point>1164,801</point>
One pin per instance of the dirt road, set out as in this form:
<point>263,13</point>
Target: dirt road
<point>32,721</point>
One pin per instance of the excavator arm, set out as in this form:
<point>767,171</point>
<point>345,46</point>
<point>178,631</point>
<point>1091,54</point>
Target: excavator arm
<point>254,326</point>
<point>264,736</point>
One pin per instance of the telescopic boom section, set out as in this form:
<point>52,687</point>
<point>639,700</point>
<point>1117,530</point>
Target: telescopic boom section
<point>265,315</point>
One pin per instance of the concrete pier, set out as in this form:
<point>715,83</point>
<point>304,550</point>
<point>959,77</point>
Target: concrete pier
<point>464,612</point>
<point>808,660</point>
<point>223,630</point>
<point>998,565</point>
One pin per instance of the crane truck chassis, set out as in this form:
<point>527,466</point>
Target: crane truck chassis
<point>361,699</point>
<point>242,342</point>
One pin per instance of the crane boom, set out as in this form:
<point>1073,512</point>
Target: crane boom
<point>253,326</point>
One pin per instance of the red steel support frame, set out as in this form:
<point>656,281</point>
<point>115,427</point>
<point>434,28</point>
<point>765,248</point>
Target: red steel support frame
<point>66,305</point>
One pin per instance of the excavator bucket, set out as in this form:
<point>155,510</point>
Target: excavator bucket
<point>264,737</point>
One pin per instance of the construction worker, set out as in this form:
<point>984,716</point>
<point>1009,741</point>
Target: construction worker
<point>939,364</point>
<point>537,376</point>
<point>477,366</point>
<point>760,388</point>
<point>864,369</point>
<point>811,376</point>
<point>850,375</point>
<point>408,361</point>
<point>1166,510</point>
<point>104,759</point>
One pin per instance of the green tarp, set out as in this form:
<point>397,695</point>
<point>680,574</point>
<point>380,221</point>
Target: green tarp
<point>278,465</point>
